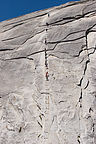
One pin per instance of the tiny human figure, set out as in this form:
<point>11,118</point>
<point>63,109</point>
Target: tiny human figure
<point>47,24</point>
<point>78,139</point>
<point>80,105</point>
<point>48,14</point>
<point>45,41</point>
<point>47,75</point>
<point>46,63</point>
<point>90,110</point>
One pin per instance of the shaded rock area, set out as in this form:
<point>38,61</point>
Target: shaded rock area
<point>48,76</point>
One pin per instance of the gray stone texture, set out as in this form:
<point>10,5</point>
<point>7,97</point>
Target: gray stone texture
<point>48,76</point>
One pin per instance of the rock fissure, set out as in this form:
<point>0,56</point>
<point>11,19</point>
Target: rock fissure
<point>24,20</point>
<point>3,50</point>
<point>71,19</point>
<point>13,27</point>
<point>61,41</point>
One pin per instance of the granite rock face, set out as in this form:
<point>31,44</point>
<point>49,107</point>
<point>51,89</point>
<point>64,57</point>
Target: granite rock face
<point>48,76</point>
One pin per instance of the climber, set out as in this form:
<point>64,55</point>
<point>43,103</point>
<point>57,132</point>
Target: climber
<point>47,24</point>
<point>46,64</point>
<point>45,41</point>
<point>48,14</point>
<point>90,110</point>
<point>47,75</point>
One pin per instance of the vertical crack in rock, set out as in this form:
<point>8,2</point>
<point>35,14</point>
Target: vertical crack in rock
<point>86,85</point>
<point>47,93</point>
<point>81,80</point>
<point>46,66</point>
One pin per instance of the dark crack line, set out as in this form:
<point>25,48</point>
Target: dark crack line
<point>73,33</point>
<point>40,124</point>
<point>71,19</point>
<point>59,24</point>
<point>89,13</point>
<point>82,50</point>
<point>85,69</point>
<point>12,38</point>
<point>26,38</point>
<point>80,83</point>
<point>2,50</point>
<point>80,98</point>
<point>92,31</point>
<point>68,52</point>
<point>61,101</point>
<point>80,101</point>
<point>17,58</point>
<point>86,85</point>
<point>66,18</point>
<point>87,32</point>
<point>23,57</point>
<point>36,52</point>
<point>87,7</point>
<point>55,47</point>
<point>88,61</point>
<point>84,73</point>
<point>32,37</point>
<point>13,27</point>
<point>78,53</point>
<point>57,42</point>
<point>77,17</point>
<point>61,41</point>
<point>25,20</point>
<point>94,49</point>
<point>86,65</point>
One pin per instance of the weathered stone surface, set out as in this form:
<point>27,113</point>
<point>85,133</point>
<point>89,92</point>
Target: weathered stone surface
<point>48,76</point>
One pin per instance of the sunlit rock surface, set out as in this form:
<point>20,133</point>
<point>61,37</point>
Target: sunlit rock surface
<point>48,76</point>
